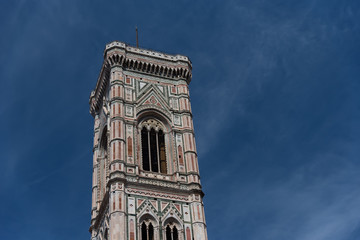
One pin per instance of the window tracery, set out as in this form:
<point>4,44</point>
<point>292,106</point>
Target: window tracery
<point>171,232</point>
<point>153,146</point>
<point>147,231</point>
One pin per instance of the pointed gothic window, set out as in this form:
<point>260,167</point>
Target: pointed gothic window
<point>145,149</point>
<point>153,148</point>
<point>175,233</point>
<point>151,232</point>
<point>171,233</point>
<point>143,231</point>
<point>147,231</point>
<point>168,233</point>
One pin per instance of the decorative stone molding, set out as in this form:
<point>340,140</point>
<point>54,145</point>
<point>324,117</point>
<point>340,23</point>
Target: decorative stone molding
<point>156,194</point>
<point>151,107</point>
<point>146,52</point>
<point>96,96</point>
<point>175,67</point>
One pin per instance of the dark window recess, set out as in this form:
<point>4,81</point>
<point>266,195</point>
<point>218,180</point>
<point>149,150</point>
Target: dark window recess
<point>153,150</point>
<point>147,232</point>
<point>143,231</point>
<point>168,233</point>
<point>175,234</point>
<point>145,149</point>
<point>171,233</point>
<point>151,232</point>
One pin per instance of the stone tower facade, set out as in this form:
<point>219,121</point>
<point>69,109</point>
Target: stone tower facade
<point>146,183</point>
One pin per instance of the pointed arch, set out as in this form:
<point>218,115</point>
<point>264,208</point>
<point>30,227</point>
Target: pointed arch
<point>148,226</point>
<point>172,229</point>
<point>153,146</point>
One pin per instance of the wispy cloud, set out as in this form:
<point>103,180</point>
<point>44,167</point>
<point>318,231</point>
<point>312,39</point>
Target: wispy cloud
<point>58,169</point>
<point>305,205</point>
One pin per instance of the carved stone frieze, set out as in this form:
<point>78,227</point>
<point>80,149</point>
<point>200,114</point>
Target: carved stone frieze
<point>156,194</point>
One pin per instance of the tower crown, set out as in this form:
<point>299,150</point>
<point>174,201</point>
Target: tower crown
<point>146,52</point>
<point>146,181</point>
<point>152,63</point>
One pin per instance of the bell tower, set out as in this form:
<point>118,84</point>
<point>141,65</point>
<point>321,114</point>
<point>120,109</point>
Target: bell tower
<point>146,183</point>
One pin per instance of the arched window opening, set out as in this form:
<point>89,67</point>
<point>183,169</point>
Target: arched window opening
<point>168,233</point>
<point>102,161</point>
<point>151,232</point>
<point>171,233</point>
<point>144,231</point>
<point>153,147</point>
<point>147,231</point>
<point>153,150</point>
<point>175,233</point>
<point>145,149</point>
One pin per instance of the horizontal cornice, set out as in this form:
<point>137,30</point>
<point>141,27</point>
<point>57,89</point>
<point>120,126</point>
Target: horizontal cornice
<point>145,52</point>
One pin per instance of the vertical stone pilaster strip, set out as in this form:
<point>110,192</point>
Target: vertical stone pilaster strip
<point>117,199</point>
<point>94,208</point>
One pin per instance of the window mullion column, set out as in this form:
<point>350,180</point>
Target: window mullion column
<point>149,150</point>
<point>147,232</point>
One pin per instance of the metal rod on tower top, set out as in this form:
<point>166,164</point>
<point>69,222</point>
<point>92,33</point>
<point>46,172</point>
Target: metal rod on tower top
<point>137,39</point>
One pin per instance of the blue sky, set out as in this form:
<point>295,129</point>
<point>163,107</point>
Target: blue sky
<point>275,98</point>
